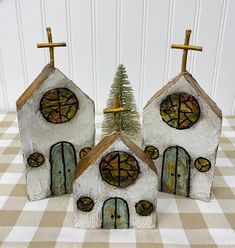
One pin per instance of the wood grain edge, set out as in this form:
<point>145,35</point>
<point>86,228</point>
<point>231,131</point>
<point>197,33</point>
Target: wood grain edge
<point>107,141</point>
<point>33,86</point>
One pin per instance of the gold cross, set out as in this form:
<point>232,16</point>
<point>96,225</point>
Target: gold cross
<point>51,46</point>
<point>186,47</point>
<point>116,110</point>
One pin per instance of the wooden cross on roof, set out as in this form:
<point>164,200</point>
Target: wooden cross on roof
<point>116,110</point>
<point>186,47</point>
<point>51,46</point>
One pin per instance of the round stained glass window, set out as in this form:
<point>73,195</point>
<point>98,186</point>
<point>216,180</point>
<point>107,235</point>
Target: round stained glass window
<point>35,159</point>
<point>84,152</point>
<point>144,208</point>
<point>119,169</point>
<point>202,164</point>
<point>59,105</point>
<point>85,204</point>
<point>180,110</point>
<point>152,152</point>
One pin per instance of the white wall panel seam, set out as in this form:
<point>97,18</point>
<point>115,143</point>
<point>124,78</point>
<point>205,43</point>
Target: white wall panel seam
<point>168,40</point>
<point>21,43</point>
<point>3,84</point>
<point>195,33</point>
<point>94,53</point>
<point>233,107</point>
<point>118,32</point>
<point>143,52</point>
<point>219,48</point>
<point>69,38</point>
<point>43,21</point>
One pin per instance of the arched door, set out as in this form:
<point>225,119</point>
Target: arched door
<point>175,171</point>
<point>63,164</point>
<point>115,214</point>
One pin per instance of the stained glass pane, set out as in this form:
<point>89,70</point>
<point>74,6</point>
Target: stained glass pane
<point>144,208</point>
<point>36,159</point>
<point>84,152</point>
<point>59,105</point>
<point>119,169</point>
<point>180,110</point>
<point>202,164</point>
<point>152,152</point>
<point>85,204</point>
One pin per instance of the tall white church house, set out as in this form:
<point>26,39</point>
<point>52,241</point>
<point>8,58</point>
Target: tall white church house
<point>181,132</point>
<point>57,124</point>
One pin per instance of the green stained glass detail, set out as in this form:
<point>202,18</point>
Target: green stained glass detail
<point>202,164</point>
<point>152,152</point>
<point>84,152</point>
<point>85,204</point>
<point>144,208</point>
<point>36,159</point>
<point>119,169</point>
<point>59,105</point>
<point>180,110</point>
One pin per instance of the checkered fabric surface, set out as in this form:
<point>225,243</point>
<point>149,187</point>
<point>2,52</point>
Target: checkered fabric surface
<point>181,222</point>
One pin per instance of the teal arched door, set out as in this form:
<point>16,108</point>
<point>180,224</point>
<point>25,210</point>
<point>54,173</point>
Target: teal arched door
<point>63,164</point>
<point>115,214</point>
<point>175,171</point>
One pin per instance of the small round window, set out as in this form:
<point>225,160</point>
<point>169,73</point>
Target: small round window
<point>152,152</point>
<point>119,169</point>
<point>85,204</point>
<point>35,159</point>
<point>59,105</point>
<point>84,152</point>
<point>180,110</point>
<point>202,164</point>
<point>144,208</point>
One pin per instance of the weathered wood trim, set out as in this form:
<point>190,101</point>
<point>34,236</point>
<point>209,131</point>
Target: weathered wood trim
<point>34,86</point>
<point>138,152</point>
<point>191,80</point>
<point>165,88</point>
<point>107,141</point>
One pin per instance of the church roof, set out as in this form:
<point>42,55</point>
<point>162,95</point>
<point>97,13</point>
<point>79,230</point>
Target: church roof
<point>104,144</point>
<point>34,86</point>
<point>192,81</point>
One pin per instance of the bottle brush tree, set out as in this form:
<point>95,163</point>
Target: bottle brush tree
<point>129,120</point>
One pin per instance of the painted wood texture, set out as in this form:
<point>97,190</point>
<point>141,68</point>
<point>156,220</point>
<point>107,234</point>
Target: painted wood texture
<point>115,214</point>
<point>101,34</point>
<point>175,171</point>
<point>63,163</point>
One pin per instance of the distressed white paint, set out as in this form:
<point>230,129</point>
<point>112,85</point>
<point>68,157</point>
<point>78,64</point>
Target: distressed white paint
<point>38,135</point>
<point>201,140</point>
<point>102,33</point>
<point>91,184</point>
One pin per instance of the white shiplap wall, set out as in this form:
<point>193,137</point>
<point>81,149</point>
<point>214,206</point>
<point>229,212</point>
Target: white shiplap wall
<point>100,34</point>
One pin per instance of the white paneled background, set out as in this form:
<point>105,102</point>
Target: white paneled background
<point>100,34</point>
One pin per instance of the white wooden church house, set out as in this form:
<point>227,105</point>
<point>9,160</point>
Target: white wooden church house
<point>56,121</point>
<point>181,132</point>
<point>115,186</point>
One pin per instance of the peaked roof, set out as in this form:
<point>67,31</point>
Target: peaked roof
<point>34,86</point>
<point>105,143</point>
<point>192,81</point>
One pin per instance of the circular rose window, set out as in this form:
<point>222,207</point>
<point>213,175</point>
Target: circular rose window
<point>119,169</point>
<point>180,110</point>
<point>59,105</point>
